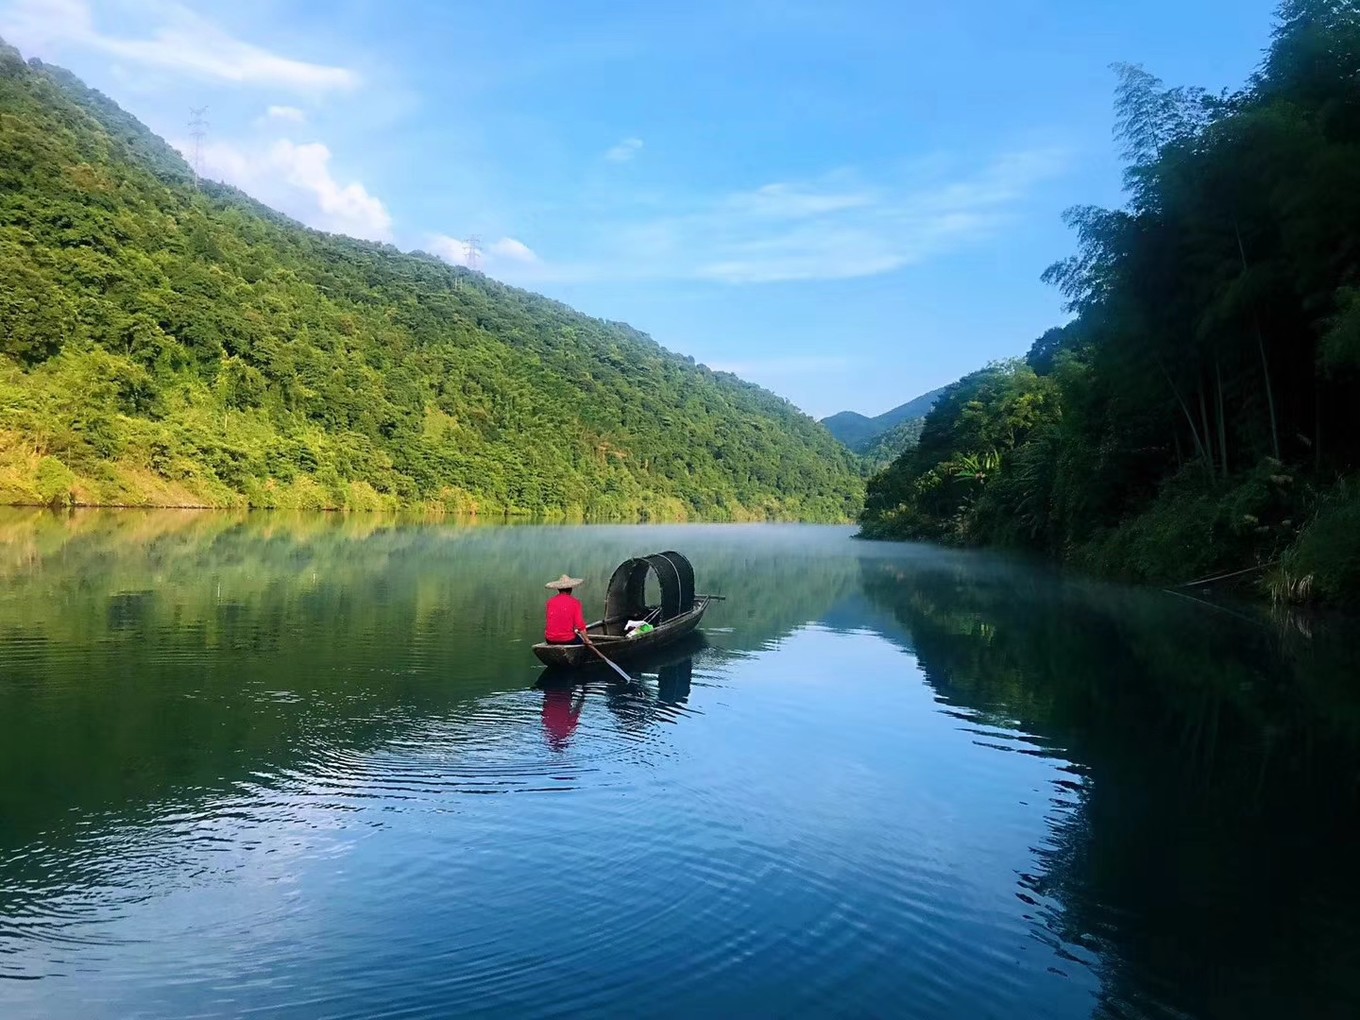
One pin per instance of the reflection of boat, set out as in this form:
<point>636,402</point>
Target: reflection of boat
<point>675,675</point>
<point>677,616</point>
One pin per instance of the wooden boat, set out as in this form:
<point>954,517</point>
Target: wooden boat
<point>618,647</point>
<point>682,651</point>
<point>678,614</point>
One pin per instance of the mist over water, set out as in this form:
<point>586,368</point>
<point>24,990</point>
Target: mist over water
<point>307,765</point>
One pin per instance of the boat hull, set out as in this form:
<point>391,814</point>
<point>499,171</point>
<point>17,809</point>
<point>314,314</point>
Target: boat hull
<point>660,661</point>
<point>619,648</point>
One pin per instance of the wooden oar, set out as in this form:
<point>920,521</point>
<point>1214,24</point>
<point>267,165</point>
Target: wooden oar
<point>606,660</point>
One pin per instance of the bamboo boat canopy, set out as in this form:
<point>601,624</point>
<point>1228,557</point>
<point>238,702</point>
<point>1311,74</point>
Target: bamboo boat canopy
<point>627,595</point>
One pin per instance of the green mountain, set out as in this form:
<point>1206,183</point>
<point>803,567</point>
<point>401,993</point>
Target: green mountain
<point>858,431</point>
<point>879,441</point>
<point>172,344</point>
<point>850,427</point>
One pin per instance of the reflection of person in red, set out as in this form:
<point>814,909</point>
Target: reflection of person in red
<point>561,713</point>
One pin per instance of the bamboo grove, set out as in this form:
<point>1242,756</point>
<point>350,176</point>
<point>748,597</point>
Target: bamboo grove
<point>1198,414</point>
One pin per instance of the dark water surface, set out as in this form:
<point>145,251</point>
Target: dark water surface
<point>305,766</point>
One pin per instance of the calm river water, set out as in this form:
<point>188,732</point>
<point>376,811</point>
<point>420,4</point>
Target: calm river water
<point>305,766</point>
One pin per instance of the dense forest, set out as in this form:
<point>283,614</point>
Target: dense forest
<point>877,453</point>
<point>167,341</point>
<point>1198,414</point>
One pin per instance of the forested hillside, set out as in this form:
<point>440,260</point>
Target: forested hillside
<point>162,343</point>
<point>1199,414</point>
<point>877,453</point>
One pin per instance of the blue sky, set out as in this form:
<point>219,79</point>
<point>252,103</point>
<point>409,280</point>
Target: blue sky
<point>849,203</point>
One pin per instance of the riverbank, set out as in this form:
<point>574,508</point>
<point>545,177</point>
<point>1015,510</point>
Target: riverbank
<point>31,478</point>
<point>1298,548</point>
<point>1274,534</point>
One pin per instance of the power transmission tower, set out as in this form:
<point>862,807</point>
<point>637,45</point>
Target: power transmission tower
<point>472,253</point>
<point>198,130</point>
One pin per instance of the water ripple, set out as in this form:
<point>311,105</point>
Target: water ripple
<point>351,794</point>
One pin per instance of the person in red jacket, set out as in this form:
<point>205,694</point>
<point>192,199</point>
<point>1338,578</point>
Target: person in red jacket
<point>566,619</point>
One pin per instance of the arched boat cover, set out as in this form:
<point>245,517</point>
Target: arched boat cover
<point>627,595</point>
<point>686,574</point>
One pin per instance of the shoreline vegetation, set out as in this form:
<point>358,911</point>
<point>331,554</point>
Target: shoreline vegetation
<point>310,497</point>
<point>1197,416</point>
<point>168,341</point>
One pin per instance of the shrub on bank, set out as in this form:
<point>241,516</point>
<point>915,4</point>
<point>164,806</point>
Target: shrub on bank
<point>1195,528</point>
<point>1323,564</point>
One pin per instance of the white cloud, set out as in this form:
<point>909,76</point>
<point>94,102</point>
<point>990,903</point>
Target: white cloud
<point>181,42</point>
<point>805,254</point>
<point>290,114</point>
<point>349,207</point>
<point>835,227</point>
<point>513,250</point>
<point>298,180</point>
<point>624,151</point>
<point>505,253</point>
<point>795,201</point>
<point>450,249</point>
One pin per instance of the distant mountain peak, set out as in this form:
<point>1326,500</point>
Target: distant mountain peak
<point>858,431</point>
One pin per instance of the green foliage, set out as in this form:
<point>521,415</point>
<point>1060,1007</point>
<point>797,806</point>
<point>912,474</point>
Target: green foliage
<point>1325,561</point>
<point>175,345</point>
<point>53,481</point>
<point>1195,530</point>
<point>1215,346</point>
<point>937,489</point>
<point>882,450</point>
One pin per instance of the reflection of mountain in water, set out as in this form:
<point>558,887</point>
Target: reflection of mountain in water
<point>1213,814</point>
<point>181,653</point>
<point>856,612</point>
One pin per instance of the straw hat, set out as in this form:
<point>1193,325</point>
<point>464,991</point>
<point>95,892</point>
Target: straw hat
<point>564,582</point>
